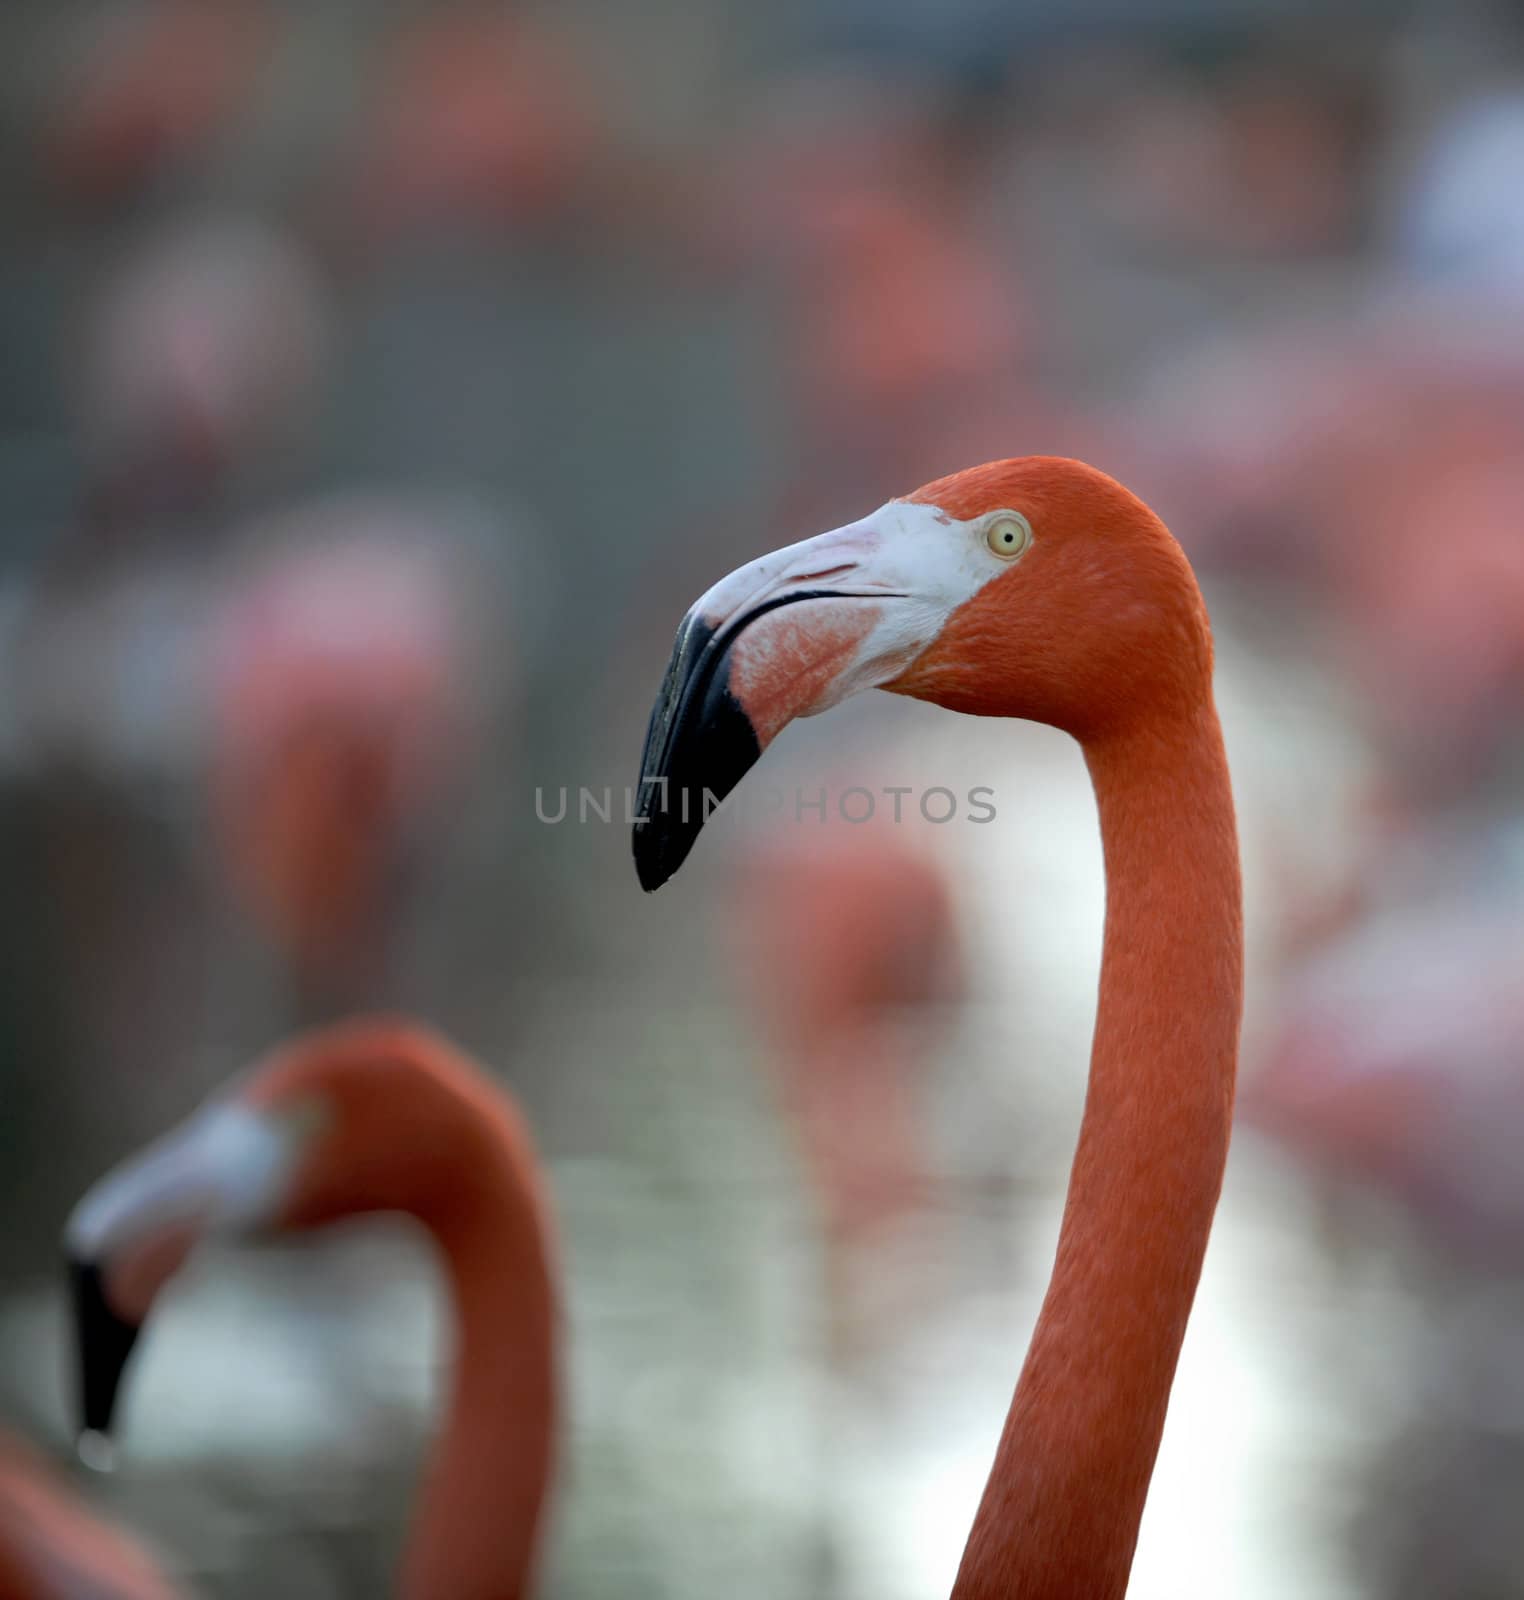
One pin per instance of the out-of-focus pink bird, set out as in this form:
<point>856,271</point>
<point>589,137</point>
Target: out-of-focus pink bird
<point>1396,1061</point>
<point>906,329</point>
<point>848,933</point>
<point>52,1548</point>
<point>376,1116</point>
<point>344,704</point>
<point>1440,622</point>
<point>147,87</point>
<point>476,115</point>
<point>206,349</point>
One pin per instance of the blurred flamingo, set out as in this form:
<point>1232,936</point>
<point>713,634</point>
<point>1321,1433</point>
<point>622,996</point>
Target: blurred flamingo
<point>148,86</point>
<point>51,1548</point>
<point>849,932</point>
<point>476,115</point>
<point>1439,624</point>
<point>346,679</point>
<point>906,330</point>
<point>1395,1060</point>
<point>373,1116</point>
<point>1393,1072</point>
<point>1319,460</point>
<point>206,349</point>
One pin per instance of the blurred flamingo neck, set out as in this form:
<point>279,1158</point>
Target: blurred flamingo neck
<point>475,1534</point>
<point>51,1545</point>
<point>1060,1514</point>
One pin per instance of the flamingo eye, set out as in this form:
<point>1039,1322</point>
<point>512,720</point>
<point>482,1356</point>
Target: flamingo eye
<point>1008,535</point>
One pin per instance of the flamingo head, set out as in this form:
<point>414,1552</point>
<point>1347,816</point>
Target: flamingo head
<point>349,1120</point>
<point>1036,587</point>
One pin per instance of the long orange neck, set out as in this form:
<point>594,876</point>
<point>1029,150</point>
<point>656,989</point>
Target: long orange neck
<point>474,1538</point>
<point>1060,1514</point>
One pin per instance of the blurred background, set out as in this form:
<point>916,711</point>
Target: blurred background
<point>380,381</point>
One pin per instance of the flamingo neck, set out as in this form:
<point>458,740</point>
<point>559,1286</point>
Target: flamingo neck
<point>474,1537</point>
<point>1060,1514</point>
<point>51,1545</point>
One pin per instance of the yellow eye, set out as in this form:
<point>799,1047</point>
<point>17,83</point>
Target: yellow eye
<point>1008,535</point>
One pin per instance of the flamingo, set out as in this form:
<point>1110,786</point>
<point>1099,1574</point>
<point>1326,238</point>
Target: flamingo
<point>1036,587</point>
<point>375,1115</point>
<point>1395,1061</point>
<point>52,1549</point>
<point>847,935</point>
<point>1393,1074</point>
<point>204,354</point>
<point>476,115</point>
<point>148,88</point>
<point>344,709</point>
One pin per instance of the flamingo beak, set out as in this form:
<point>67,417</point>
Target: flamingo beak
<point>786,636</point>
<point>103,1344</point>
<point>221,1171</point>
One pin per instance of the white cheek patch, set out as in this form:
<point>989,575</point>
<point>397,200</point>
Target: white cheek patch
<point>931,562</point>
<point>925,563</point>
<point>903,549</point>
<point>817,560</point>
<point>226,1168</point>
<point>806,626</point>
<point>938,559</point>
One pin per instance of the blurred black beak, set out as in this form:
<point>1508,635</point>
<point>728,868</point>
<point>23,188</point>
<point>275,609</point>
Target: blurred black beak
<point>103,1342</point>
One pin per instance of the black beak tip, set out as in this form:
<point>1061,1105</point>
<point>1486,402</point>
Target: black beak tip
<point>659,851</point>
<point>103,1343</point>
<point>700,743</point>
<point>714,754</point>
<point>649,871</point>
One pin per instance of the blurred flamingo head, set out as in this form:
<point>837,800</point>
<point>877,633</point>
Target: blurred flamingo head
<point>207,347</point>
<point>147,87</point>
<point>373,1115</point>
